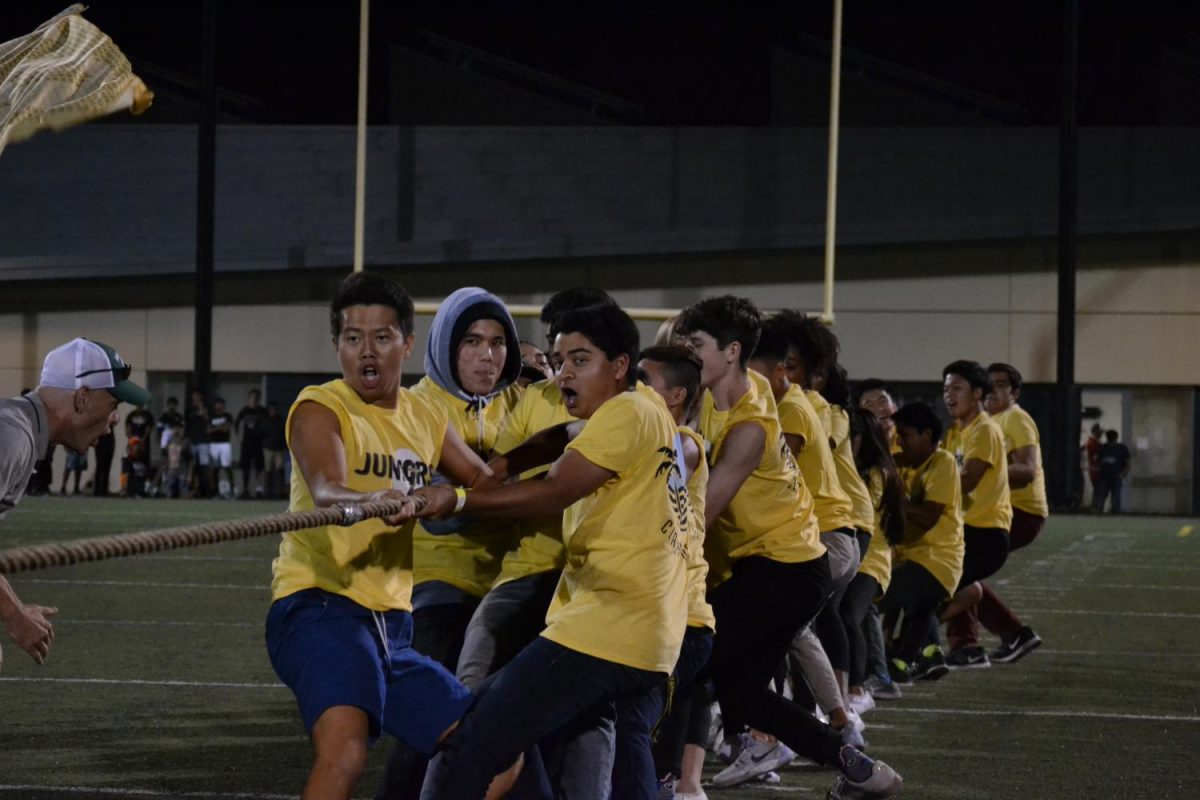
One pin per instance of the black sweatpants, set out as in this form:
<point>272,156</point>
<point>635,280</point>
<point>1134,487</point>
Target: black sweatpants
<point>759,610</point>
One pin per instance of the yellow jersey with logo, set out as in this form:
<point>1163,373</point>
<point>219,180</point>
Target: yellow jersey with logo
<point>940,549</point>
<point>700,613</point>
<point>535,544</point>
<point>862,515</point>
<point>771,515</point>
<point>622,596</point>
<point>470,562</point>
<point>386,448</point>
<point>877,561</point>
<point>797,417</point>
<point>988,504</point>
<point>1019,431</point>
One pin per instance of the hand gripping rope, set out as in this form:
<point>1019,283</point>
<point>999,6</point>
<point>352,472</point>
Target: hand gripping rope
<point>62,554</point>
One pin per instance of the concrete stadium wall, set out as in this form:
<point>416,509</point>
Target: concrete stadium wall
<point>1135,327</point>
<point>120,199</point>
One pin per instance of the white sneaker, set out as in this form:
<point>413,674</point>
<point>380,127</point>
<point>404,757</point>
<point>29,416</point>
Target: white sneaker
<point>769,778</point>
<point>700,795</point>
<point>755,758</point>
<point>861,703</point>
<point>852,732</point>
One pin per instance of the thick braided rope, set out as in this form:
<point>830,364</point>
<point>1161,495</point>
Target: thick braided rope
<point>62,554</point>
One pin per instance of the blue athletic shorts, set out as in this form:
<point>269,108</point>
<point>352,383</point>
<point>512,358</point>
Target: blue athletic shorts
<point>330,651</point>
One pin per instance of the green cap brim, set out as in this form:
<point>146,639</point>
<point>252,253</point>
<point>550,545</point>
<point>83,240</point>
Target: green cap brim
<point>130,392</point>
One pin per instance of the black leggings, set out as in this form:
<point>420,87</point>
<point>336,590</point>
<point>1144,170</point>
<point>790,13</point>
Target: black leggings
<point>861,592</point>
<point>759,610</point>
<point>986,551</point>
<point>917,593</point>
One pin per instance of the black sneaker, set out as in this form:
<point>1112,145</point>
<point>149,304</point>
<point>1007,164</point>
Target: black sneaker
<point>971,657</point>
<point>901,672</point>
<point>931,665</point>
<point>1026,642</point>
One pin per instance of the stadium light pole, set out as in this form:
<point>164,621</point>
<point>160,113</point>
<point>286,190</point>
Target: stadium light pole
<point>835,87</point>
<point>1067,397</point>
<point>360,139</point>
<point>206,169</point>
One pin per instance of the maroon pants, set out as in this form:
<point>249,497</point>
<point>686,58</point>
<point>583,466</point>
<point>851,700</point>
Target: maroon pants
<point>963,630</point>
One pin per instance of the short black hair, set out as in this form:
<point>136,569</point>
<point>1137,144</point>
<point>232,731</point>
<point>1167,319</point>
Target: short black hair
<point>816,346</point>
<point>1112,436</point>
<point>607,327</point>
<point>172,401</point>
<point>727,319</point>
<point>220,400</point>
<point>773,344</point>
<point>1014,376</point>
<point>571,299</point>
<point>920,418</point>
<point>681,368</point>
<point>970,371</point>
<point>868,385</point>
<point>254,392</point>
<point>371,289</point>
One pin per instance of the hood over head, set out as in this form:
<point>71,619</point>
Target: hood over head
<point>454,316</point>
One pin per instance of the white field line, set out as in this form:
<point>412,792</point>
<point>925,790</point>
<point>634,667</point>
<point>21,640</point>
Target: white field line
<point>1090,613</point>
<point>1026,587</point>
<point>96,791</point>
<point>261,587</point>
<point>1107,654</point>
<point>143,682</point>
<point>967,712</point>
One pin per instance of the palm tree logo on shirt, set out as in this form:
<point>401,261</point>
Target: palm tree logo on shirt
<point>680,501</point>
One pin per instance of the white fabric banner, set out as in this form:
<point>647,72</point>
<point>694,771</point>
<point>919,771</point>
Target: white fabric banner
<point>64,73</point>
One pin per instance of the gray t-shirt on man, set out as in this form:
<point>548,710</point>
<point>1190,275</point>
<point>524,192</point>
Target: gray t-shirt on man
<point>24,438</point>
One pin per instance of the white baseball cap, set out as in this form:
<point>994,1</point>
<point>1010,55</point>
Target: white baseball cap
<point>82,362</point>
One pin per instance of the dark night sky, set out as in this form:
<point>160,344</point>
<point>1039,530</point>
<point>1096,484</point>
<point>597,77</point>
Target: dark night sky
<point>686,62</point>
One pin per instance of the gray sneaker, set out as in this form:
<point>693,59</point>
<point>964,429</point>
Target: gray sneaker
<point>882,687</point>
<point>884,783</point>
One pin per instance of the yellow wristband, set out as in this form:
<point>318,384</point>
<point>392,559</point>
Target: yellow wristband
<point>461,503</point>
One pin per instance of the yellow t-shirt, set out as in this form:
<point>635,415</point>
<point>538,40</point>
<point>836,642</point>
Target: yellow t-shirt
<point>700,613</point>
<point>471,562</point>
<point>862,515</point>
<point>988,505</point>
<point>370,562</point>
<point>535,545</point>
<point>622,596</point>
<point>798,418</point>
<point>821,406</point>
<point>877,561</point>
<point>1019,431</point>
<point>940,550</point>
<point>771,515</point>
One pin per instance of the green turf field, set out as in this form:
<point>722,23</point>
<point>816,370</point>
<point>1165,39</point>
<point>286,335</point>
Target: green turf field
<point>159,686</point>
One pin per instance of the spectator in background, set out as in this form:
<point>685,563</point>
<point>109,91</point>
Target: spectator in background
<point>251,424</point>
<point>135,467</point>
<point>177,459</point>
<point>1115,461</point>
<point>196,427</point>
<point>106,446</point>
<point>220,451</point>
<point>275,451</point>
<point>168,421</point>
<point>76,464</point>
<point>1092,450</point>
